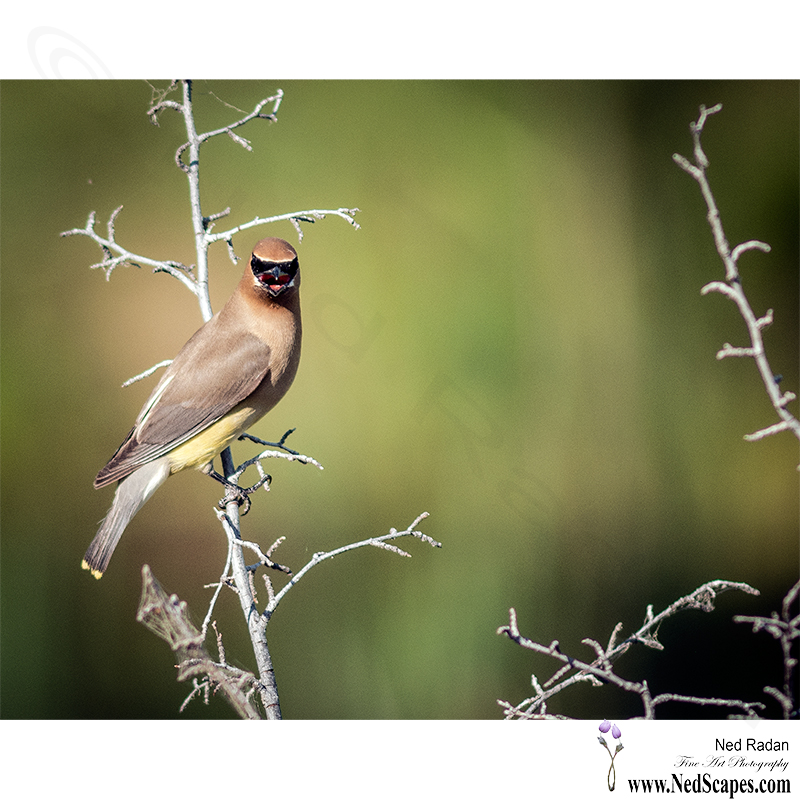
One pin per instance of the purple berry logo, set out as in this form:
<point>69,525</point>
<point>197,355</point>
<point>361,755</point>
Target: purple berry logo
<point>605,727</point>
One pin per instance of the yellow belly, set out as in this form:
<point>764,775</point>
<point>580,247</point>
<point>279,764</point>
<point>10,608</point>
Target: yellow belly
<point>207,444</point>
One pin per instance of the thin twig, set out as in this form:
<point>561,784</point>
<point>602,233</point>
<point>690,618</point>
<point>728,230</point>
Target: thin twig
<point>223,581</point>
<point>377,541</point>
<point>295,217</point>
<point>109,245</point>
<point>147,372</point>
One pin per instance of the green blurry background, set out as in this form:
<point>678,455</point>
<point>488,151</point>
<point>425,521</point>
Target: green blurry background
<point>515,342</point>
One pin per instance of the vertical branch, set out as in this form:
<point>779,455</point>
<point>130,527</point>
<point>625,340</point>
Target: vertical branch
<point>198,224</point>
<point>268,688</point>
<point>256,624</point>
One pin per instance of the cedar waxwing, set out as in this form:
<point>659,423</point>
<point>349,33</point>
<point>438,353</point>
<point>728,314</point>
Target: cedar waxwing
<point>225,378</point>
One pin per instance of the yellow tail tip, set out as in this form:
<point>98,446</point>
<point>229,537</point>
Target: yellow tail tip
<point>96,572</point>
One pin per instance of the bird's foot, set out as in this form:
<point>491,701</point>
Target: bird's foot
<point>234,492</point>
<point>238,495</point>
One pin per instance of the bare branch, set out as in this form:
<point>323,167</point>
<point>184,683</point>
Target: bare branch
<point>225,580</point>
<point>264,559</point>
<point>600,670</point>
<point>750,708</point>
<point>168,617</point>
<point>272,116</point>
<point>751,245</point>
<point>227,129</point>
<point>147,372</point>
<point>288,454</point>
<point>208,222</point>
<point>732,289</point>
<point>722,288</point>
<point>729,350</point>
<point>377,541</point>
<point>296,217</point>
<point>786,629</point>
<point>778,427</point>
<point>109,246</point>
<point>257,627</point>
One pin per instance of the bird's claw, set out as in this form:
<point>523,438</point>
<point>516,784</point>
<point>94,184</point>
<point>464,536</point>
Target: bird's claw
<point>238,495</point>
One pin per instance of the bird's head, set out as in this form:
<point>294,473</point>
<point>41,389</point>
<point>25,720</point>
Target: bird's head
<point>275,266</point>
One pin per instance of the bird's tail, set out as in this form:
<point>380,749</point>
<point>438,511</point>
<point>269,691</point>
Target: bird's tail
<point>132,493</point>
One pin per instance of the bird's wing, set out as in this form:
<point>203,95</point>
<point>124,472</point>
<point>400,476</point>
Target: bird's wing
<point>212,373</point>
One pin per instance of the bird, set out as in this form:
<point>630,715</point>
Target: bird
<point>230,373</point>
